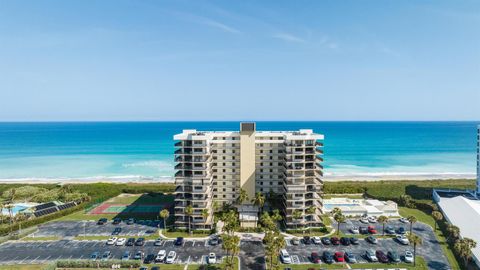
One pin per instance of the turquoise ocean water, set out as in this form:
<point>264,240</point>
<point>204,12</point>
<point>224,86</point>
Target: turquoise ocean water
<point>144,150</point>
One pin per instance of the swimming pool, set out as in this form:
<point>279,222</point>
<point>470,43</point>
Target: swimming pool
<point>18,207</point>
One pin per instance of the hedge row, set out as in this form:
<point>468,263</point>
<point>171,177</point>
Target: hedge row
<point>98,264</point>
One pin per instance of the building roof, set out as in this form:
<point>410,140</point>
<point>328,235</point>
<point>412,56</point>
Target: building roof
<point>465,214</point>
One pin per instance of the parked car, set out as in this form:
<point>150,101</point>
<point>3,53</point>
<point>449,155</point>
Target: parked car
<point>355,230</point>
<point>350,257</point>
<point>372,230</point>
<point>354,241</point>
<point>112,241</point>
<point>371,239</point>
<point>363,230</point>
<point>94,256</point>
<point>408,257</point>
<point>306,240</point>
<point>403,220</point>
<point>102,221</point>
<point>389,230</point>
<point>363,220</point>
<point>155,268</point>
<point>339,256</point>
<point>212,258</point>
<point>327,257</point>
<point>130,242</point>
<point>285,257</point>
<point>121,242</point>
<point>372,219</point>
<point>149,259</point>
<point>140,241</point>
<point>139,255</point>
<point>158,242</point>
<point>117,231</point>
<point>393,256</point>
<point>126,256</point>
<point>172,255</point>
<point>214,240</point>
<point>314,257</point>
<point>106,255</point>
<point>345,241</point>
<point>161,255</point>
<point>381,256</point>
<point>116,221</point>
<point>143,268</point>
<point>402,239</point>
<point>179,241</point>
<point>335,241</point>
<point>316,240</point>
<point>326,241</point>
<point>295,241</point>
<point>401,230</point>
<point>370,256</point>
<point>130,221</point>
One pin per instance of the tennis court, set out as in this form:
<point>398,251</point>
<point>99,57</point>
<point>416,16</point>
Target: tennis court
<point>126,204</point>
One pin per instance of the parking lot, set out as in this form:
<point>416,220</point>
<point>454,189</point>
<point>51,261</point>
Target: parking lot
<point>90,228</point>
<point>43,251</point>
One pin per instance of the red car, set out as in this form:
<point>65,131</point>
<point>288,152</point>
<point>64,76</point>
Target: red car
<point>372,230</point>
<point>335,241</point>
<point>339,256</point>
<point>315,257</point>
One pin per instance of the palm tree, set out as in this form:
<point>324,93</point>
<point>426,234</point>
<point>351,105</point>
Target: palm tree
<point>412,220</point>
<point>205,215</point>
<point>242,197</point>
<point>406,200</point>
<point>10,201</point>
<point>339,218</point>
<point>297,215</point>
<point>335,211</point>
<point>464,247</point>
<point>383,220</point>
<point>453,232</point>
<point>259,200</point>
<point>414,240</point>
<point>164,214</point>
<point>1,212</point>
<point>189,213</point>
<point>276,215</point>
<point>437,216</point>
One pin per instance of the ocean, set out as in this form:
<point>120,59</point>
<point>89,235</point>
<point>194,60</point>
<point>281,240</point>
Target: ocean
<point>144,150</point>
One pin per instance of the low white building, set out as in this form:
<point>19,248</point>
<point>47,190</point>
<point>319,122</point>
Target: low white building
<point>360,207</point>
<point>465,214</point>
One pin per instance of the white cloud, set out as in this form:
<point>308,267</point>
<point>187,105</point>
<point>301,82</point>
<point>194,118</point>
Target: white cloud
<point>289,38</point>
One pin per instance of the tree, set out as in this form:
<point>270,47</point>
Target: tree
<point>1,212</point>
<point>463,248</point>
<point>415,240</point>
<point>297,215</point>
<point>453,233</point>
<point>383,220</point>
<point>164,214</point>
<point>339,218</point>
<point>242,197</point>
<point>230,220</point>
<point>274,242</point>
<point>437,216</point>
<point>205,215</point>
<point>406,200</point>
<point>411,219</point>
<point>259,200</point>
<point>230,243</point>
<point>189,213</point>
<point>335,211</point>
<point>267,221</point>
<point>276,216</point>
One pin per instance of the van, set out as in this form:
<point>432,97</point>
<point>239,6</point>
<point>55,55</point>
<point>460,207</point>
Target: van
<point>285,257</point>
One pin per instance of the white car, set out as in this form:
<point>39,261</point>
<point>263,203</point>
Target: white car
<point>212,258</point>
<point>402,239</point>
<point>372,219</point>
<point>370,255</point>
<point>285,257</point>
<point>364,220</point>
<point>112,241</point>
<point>316,240</point>
<point>408,256</point>
<point>121,242</point>
<point>172,255</point>
<point>403,220</point>
<point>161,255</point>
<point>355,230</point>
<point>158,242</point>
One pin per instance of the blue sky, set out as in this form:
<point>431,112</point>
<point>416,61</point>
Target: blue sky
<point>239,60</point>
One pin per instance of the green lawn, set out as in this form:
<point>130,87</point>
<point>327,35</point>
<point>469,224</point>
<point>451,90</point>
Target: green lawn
<point>82,215</point>
<point>22,267</point>
<point>427,219</point>
<point>41,238</point>
<point>421,265</point>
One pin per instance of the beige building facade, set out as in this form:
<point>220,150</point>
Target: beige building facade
<point>215,166</point>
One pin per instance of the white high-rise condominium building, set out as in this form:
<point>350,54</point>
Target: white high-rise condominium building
<point>215,166</point>
<point>478,161</point>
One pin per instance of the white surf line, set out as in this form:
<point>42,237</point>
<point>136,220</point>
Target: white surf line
<point>46,259</point>
<point>35,259</point>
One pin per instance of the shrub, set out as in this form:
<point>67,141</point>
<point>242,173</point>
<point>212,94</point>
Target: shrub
<point>97,264</point>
